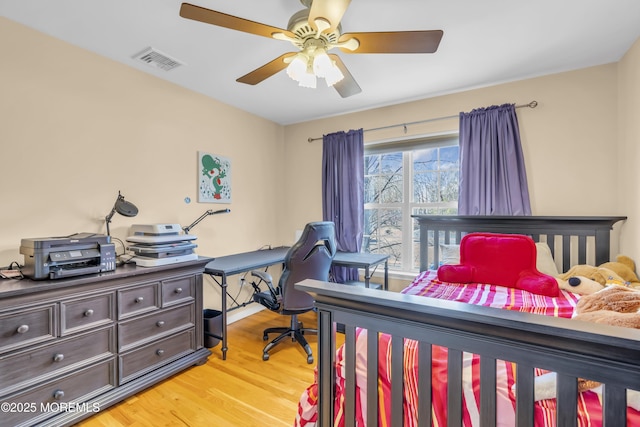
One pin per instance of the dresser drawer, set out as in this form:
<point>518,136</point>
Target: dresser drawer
<point>178,290</point>
<point>80,385</point>
<point>139,299</point>
<point>85,313</point>
<point>148,328</point>
<point>158,353</point>
<point>26,368</point>
<point>27,327</point>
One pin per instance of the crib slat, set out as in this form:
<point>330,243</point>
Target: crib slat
<point>424,247</point>
<point>326,367</point>
<point>524,396</point>
<point>551,242</point>
<point>454,387</point>
<point>566,252</point>
<point>614,408</point>
<point>487,391</point>
<point>372,378</point>
<point>424,384</point>
<point>350,375</point>
<point>397,380</point>
<point>602,248</point>
<point>582,249</point>
<point>436,248</point>
<point>567,396</point>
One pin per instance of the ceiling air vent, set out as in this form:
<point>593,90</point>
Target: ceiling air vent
<point>157,59</point>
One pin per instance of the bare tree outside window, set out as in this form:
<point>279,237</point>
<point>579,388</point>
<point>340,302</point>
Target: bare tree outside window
<point>398,184</point>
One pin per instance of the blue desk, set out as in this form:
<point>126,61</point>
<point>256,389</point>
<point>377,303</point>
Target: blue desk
<point>222,267</point>
<point>365,261</point>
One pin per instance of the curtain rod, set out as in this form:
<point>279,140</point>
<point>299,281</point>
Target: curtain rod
<point>532,104</point>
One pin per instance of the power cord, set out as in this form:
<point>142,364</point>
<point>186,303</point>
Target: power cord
<point>12,271</point>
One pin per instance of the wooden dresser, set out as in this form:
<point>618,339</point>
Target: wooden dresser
<point>72,347</point>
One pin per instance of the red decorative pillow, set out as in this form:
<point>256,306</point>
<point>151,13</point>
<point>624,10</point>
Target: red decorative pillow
<point>499,259</point>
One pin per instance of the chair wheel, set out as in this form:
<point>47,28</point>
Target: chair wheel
<point>265,356</point>
<point>309,360</point>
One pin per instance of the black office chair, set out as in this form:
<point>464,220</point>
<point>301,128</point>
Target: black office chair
<point>309,258</point>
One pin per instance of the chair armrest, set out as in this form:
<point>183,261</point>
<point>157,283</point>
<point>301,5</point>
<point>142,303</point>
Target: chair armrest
<point>262,275</point>
<point>266,278</point>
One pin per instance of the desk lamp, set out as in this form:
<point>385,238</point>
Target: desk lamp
<point>123,207</point>
<point>203,216</point>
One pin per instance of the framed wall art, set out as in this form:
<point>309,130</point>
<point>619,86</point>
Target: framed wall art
<point>214,183</point>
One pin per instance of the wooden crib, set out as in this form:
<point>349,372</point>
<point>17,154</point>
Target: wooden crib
<point>530,342</point>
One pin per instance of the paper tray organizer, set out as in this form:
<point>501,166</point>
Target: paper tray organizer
<point>160,244</point>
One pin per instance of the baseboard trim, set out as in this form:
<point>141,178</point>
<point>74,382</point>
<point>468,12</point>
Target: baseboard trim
<point>244,312</point>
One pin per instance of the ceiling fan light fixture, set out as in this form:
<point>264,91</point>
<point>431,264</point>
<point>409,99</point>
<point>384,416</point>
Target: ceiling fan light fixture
<point>307,80</point>
<point>297,68</point>
<point>322,64</point>
<point>334,75</point>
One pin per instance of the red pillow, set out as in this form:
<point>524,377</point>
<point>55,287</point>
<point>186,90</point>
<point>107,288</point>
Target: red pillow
<point>499,259</point>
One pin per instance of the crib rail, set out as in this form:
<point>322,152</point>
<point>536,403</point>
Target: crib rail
<point>572,239</point>
<point>573,349</point>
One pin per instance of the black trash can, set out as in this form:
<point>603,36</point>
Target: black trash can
<point>212,327</point>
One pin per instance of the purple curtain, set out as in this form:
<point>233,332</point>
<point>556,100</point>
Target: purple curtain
<point>343,193</point>
<point>493,179</point>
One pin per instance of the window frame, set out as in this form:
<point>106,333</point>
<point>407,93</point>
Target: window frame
<point>408,206</point>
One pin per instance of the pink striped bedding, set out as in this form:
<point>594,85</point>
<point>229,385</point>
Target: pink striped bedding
<point>426,284</point>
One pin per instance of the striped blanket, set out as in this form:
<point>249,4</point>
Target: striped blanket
<point>426,284</point>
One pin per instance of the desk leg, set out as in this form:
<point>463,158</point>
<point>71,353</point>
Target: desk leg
<point>223,293</point>
<point>367,276</point>
<point>386,275</point>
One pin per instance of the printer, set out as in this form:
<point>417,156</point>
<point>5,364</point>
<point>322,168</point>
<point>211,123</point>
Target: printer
<point>61,257</point>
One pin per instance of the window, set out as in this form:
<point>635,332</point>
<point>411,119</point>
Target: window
<point>404,178</point>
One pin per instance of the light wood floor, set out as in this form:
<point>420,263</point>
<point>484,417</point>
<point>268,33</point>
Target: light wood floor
<point>241,391</point>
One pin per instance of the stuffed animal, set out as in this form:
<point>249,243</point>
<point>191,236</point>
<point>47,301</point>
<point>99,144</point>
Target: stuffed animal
<point>586,279</point>
<point>613,305</point>
<point>580,285</point>
<point>624,267</point>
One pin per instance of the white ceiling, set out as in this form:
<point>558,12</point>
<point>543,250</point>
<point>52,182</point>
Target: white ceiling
<point>485,42</point>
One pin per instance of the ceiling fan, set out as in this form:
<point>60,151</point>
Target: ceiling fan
<point>315,31</point>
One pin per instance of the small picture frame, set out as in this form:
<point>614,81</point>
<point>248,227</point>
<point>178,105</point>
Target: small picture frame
<point>214,178</point>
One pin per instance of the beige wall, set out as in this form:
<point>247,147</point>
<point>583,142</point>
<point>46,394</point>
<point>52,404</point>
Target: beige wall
<point>76,128</point>
<point>628,187</point>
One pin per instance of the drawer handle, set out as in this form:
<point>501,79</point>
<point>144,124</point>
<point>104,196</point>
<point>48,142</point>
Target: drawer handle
<point>160,352</point>
<point>178,290</point>
<point>88,313</point>
<point>58,394</point>
<point>58,357</point>
<point>160,323</point>
<point>139,300</point>
<point>23,329</point>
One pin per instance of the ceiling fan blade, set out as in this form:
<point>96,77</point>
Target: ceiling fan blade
<point>267,70</point>
<point>208,16</point>
<point>330,11</point>
<point>395,42</point>
<point>347,86</point>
